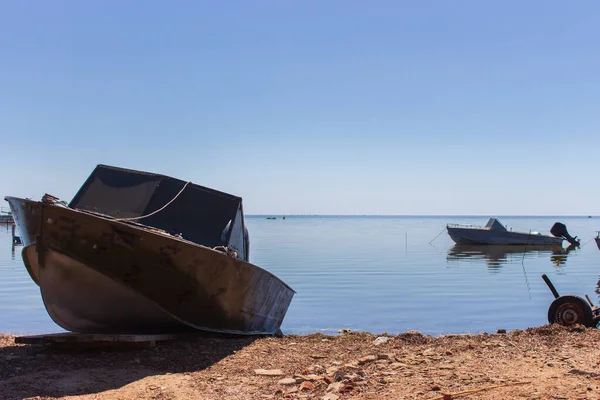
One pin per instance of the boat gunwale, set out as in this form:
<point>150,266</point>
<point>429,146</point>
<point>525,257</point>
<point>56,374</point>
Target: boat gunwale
<point>155,231</point>
<point>467,227</point>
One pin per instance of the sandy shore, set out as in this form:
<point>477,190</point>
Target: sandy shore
<point>539,363</point>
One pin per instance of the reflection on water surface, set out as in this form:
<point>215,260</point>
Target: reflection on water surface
<point>497,255</point>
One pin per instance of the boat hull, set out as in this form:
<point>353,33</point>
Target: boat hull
<point>80,299</point>
<point>100,275</point>
<point>597,242</point>
<point>464,235</point>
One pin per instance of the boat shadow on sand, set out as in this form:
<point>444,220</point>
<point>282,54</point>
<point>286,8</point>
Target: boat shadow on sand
<point>496,256</point>
<point>34,371</point>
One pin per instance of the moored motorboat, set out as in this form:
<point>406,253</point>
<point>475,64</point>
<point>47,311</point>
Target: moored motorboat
<point>494,233</point>
<point>597,239</point>
<point>142,252</point>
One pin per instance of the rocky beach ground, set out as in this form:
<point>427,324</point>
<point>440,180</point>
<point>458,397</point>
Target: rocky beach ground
<point>549,362</point>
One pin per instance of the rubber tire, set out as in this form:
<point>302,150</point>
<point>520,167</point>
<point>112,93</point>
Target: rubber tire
<point>575,304</point>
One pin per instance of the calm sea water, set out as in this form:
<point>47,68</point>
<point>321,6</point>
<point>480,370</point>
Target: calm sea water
<point>379,274</point>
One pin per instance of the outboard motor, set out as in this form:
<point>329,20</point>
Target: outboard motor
<point>560,230</point>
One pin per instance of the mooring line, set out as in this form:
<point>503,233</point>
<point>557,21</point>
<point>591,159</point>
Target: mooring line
<point>523,266</point>
<point>155,211</point>
<point>526,280</point>
<point>438,235</point>
<point>526,244</point>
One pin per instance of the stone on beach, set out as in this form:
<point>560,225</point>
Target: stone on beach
<point>366,360</point>
<point>268,372</point>
<point>339,376</point>
<point>287,381</point>
<point>336,387</point>
<point>380,340</point>
<point>307,385</point>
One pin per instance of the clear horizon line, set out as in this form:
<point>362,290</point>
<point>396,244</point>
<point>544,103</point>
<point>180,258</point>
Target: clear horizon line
<point>421,215</point>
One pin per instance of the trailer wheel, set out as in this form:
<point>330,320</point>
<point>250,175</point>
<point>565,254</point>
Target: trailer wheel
<point>570,310</point>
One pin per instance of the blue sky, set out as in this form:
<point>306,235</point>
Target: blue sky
<point>313,107</point>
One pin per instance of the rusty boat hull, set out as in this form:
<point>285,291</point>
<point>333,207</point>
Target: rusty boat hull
<point>97,274</point>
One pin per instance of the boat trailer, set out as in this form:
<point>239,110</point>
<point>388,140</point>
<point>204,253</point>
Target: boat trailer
<point>570,310</point>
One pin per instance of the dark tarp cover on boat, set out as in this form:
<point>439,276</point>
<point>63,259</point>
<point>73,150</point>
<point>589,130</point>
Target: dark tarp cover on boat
<point>199,214</point>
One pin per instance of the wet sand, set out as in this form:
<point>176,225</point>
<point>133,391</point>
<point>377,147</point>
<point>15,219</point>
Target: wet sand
<point>549,362</point>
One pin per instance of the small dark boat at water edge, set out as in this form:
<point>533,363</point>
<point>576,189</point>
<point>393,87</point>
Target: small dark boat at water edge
<point>136,252</point>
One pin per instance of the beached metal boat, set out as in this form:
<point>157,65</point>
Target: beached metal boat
<point>141,252</point>
<point>495,233</point>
